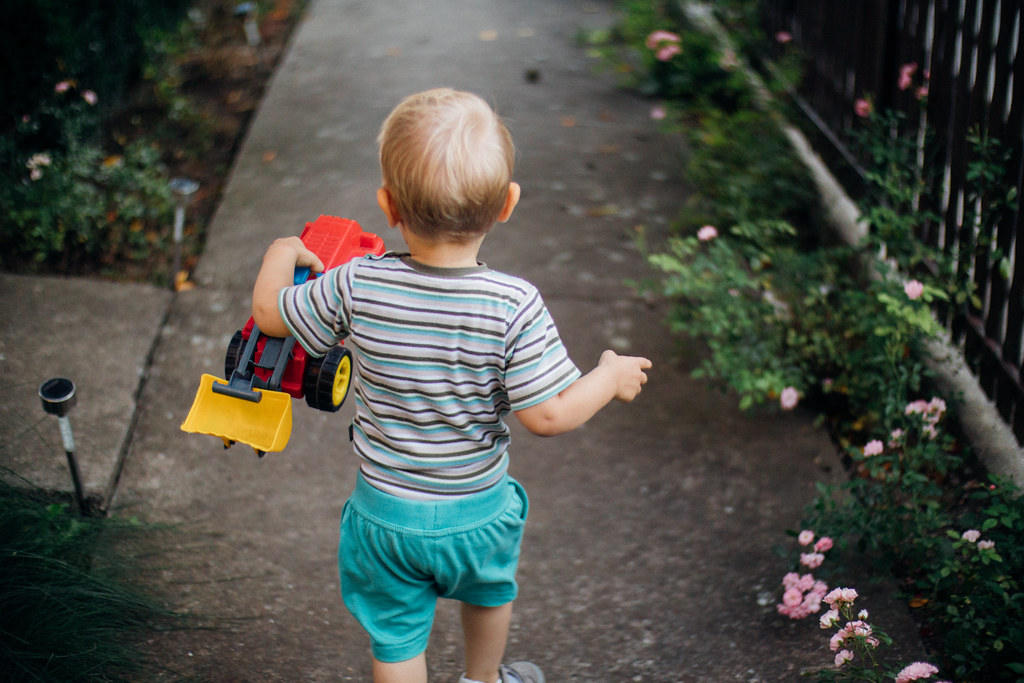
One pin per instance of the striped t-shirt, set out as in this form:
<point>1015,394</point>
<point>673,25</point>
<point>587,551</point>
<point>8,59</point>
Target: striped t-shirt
<point>442,356</point>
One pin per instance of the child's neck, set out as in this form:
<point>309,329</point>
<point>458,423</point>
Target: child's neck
<point>443,254</point>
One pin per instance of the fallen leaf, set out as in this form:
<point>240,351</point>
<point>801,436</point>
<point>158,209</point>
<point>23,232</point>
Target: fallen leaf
<point>606,210</point>
<point>569,121</point>
<point>269,156</point>
<point>488,35</point>
<point>181,282</point>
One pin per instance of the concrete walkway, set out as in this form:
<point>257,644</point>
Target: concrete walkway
<point>649,546</point>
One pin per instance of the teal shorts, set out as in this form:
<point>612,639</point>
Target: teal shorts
<point>397,557</point>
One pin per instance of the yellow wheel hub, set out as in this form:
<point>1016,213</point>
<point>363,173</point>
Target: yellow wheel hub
<point>342,376</point>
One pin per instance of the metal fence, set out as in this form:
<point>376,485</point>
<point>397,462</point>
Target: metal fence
<point>971,51</point>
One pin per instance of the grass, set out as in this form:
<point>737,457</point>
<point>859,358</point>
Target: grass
<point>69,599</point>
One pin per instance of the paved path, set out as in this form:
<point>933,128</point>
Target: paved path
<point>648,552</point>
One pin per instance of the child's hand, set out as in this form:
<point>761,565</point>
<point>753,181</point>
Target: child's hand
<point>629,373</point>
<point>278,271</point>
<point>304,258</point>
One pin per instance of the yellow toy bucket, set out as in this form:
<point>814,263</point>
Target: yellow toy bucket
<point>265,424</point>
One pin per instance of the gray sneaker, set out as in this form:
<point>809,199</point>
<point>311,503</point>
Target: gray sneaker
<point>521,672</point>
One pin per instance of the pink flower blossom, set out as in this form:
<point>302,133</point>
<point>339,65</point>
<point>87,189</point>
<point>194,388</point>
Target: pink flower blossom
<point>802,596</point>
<point>986,545</point>
<point>707,233</point>
<point>829,619</point>
<point>823,545</point>
<point>873,447</point>
<point>863,108</point>
<point>921,92</point>
<point>667,52</point>
<point>907,72</point>
<point>971,535</point>
<point>658,112</point>
<point>657,38</point>
<point>35,165</point>
<point>665,44</point>
<point>63,86</point>
<point>895,438</point>
<point>919,406</point>
<point>811,560</point>
<point>789,398</point>
<point>841,596</point>
<point>783,37</point>
<point>90,97</point>
<point>913,290</point>
<point>916,671</point>
<point>806,537</point>
<point>842,657</point>
<point>792,597</point>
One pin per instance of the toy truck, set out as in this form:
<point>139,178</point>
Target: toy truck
<point>253,405</point>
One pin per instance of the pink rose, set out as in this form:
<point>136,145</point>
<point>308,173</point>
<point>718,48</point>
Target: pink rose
<point>919,406</point>
<point>913,290</point>
<point>783,37</point>
<point>658,112</point>
<point>863,108</point>
<point>707,233</point>
<point>971,535</point>
<point>916,671</point>
<point>823,545</point>
<point>806,537</point>
<point>842,657</point>
<point>789,398</point>
<point>657,38</point>
<point>90,97</point>
<point>812,560</point>
<point>63,86</point>
<point>986,545</point>
<point>873,447</point>
<point>907,72</point>
<point>667,52</point>
<point>841,596</point>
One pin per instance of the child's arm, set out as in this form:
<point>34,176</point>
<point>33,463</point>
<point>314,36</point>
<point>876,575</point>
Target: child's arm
<point>615,377</point>
<point>278,272</point>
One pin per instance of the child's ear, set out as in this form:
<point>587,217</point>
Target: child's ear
<point>510,202</point>
<point>387,204</point>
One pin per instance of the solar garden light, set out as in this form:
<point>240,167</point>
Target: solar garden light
<point>247,10</point>
<point>58,397</point>
<point>183,189</point>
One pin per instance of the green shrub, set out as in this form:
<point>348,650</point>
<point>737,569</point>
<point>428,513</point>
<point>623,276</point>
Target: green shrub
<point>70,609</point>
<point>744,170</point>
<point>97,44</point>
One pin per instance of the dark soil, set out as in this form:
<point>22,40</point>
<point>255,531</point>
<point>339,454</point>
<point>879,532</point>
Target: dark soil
<point>220,78</point>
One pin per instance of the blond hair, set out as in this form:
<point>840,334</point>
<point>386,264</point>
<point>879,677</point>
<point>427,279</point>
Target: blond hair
<point>447,160</point>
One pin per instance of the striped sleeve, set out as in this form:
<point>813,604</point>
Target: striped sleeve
<point>538,365</point>
<point>317,312</point>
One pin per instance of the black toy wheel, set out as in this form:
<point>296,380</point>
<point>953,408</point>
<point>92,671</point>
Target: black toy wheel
<point>234,354</point>
<point>327,379</point>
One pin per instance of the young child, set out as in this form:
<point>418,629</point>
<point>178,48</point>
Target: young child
<point>445,349</point>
